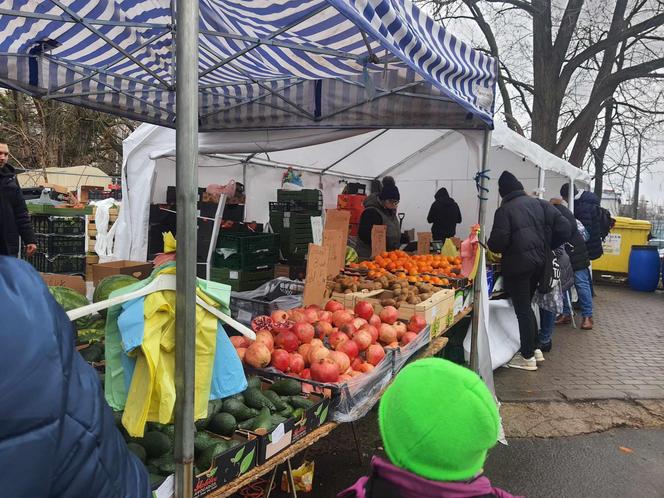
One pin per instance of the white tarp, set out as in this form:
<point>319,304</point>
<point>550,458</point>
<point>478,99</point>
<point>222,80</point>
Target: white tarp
<point>421,161</point>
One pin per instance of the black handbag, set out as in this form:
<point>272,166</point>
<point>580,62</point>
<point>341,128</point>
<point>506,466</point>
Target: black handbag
<point>551,271</point>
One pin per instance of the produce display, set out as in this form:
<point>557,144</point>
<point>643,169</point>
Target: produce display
<point>110,284</point>
<point>70,300</point>
<point>402,290</point>
<point>429,268</point>
<point>331,344</point>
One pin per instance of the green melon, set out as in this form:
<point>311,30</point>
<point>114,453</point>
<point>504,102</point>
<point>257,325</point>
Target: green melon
<point>110,284</point>
<point>70,300</point>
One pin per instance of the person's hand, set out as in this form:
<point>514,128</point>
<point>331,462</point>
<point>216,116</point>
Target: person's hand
<point>30,249</point>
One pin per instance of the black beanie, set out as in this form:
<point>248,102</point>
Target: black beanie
<point>508,183</point>
<point>389,192</point>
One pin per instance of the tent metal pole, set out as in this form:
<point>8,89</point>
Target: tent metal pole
<point>477,287</point>
<point>540,182</point>
<point>186,175</point>
<point>570,197</point>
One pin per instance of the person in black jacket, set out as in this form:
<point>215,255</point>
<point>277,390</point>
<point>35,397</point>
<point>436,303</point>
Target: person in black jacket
<point>380,210</point>
<point>14,217</point>
<point>444,216</point>
<point>578,255</point>
<point>521,227</point>
<point>586,210</point>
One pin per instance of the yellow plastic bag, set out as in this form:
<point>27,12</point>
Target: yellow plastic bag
<point>303,478</point>
<point>449,249</point>
<point>170,244</point>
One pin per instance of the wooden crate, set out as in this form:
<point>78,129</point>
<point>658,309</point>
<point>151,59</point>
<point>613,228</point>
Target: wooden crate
<point>92,228</point>
<point>351,299</point>
<point>90,260</point>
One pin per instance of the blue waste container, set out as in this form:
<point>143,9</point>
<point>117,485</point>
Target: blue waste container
<point>643,274</point>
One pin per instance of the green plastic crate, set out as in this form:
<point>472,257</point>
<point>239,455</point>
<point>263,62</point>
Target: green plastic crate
<point>304,196</point>
<point>56,211</point>
<point>248,243</point>
<point>242,280</point>
<point>246,261</point>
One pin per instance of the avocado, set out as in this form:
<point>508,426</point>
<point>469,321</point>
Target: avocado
<point>276,400</point>
<point>164,463</point>
<point>203,440</point>
<point>237,397</point>
<point>248,425</point>
<point>205,459</point>
<point>286,387</point>
<point>287,412</point>
<point>264,420</point>
<point>275,420</point>
<point>156,480</point>
<point>156,444</point>
<point>223,423</point>
<point>238,409</point>
<point>254,382</point>
<point>93,353</point>
<point>301,402</point>
<point>255,399</point>
<point>137,450</point>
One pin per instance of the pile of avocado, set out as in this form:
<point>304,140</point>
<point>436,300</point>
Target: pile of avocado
<point>252,410</point>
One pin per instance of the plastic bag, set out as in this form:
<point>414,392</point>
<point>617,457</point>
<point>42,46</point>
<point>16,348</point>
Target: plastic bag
<point>303,478</point>
<point>449,249</point>
<point>105,236</point>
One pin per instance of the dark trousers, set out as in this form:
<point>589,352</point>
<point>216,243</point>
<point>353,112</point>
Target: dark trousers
<point>521,289</point>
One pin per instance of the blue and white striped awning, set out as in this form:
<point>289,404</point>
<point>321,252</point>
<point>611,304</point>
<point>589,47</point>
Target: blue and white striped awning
<point>262,63</point>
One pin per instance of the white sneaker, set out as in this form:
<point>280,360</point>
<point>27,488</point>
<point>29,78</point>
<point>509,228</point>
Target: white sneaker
<point>539,356</point>
<point>518,361</point>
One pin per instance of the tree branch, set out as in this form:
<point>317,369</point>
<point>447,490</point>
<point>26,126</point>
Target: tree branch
<point>567,26</point>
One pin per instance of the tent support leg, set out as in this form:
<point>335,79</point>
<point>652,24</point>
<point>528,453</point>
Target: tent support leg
<point>477,287</point>
<point>186,193</point>
<point>540,182</point>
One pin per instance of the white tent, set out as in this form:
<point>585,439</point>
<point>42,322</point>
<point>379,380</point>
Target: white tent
<point>421,161</point>
<point>71,177</point>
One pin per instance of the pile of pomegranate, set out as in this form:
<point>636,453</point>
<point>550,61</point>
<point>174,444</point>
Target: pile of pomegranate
<point>331,344</point>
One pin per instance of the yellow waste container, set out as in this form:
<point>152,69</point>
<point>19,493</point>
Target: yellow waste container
<point>618,244</point>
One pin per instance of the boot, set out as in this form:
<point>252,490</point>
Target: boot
<point>587,323</point>
<point>564,320</point>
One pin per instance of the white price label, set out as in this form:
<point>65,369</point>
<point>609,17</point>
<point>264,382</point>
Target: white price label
<point>234,275</point>
<point>612,243</point>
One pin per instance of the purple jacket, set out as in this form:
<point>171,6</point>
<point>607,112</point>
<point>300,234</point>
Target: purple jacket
<point>413,486</point>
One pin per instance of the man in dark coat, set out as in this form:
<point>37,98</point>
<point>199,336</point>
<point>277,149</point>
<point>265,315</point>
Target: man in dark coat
<point>380,210</point>
<point>14,217</point>
<point>444,214</point>
<point>521,227</point>
<point>57,434</point>
<point>586,210</point>
<point>578,255</point>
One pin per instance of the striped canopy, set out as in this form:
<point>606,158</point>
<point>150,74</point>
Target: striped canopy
<point>262,63</point>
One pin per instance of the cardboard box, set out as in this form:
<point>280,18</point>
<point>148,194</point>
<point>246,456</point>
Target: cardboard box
<point>73,282</point>
<point>138,269</point>
<point>349,300</point>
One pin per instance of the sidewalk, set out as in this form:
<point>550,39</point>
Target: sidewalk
<point>621,358</point>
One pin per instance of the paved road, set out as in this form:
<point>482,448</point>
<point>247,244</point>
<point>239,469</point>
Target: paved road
<point>622,357</point>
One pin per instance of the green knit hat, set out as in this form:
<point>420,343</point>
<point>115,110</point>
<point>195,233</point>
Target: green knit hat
<point>438,420</point>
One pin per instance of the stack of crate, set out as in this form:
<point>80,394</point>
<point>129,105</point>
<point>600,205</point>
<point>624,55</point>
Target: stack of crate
<point>245,260</point>
<point>60,244</point>
<point>290,217</point>
<point>355,204</point>
<point>92,258</point>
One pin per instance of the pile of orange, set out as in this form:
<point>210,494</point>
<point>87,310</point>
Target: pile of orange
<point>430,268</point>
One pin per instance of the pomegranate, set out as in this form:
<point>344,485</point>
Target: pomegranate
<point>416,323</point>
<point>333,306</point>
<point>348,329</point>
<point>287,340</point>
<point>393,345</point>
<point>240,341</point>
<point>363,339</point>
<point>375,321</point>
<point>344,378</point>
<point>257,355</point>
<point>386,334</point>
<point>325,370</point>
<point>349,347</point>
<point>408,337</point>
<point>279,316</point>
<point>311,315</point>
<point>303,350</point>
<point>375,354</point>
<point>325,316</point>
<point>279,327</point>
<point>266,338</point>
<point>280,360</point>
<point>373,331</point>
<point>316,343</point>
<point>241,352</point>
<point>389,315</point>
<point>336,337</point>
<point>322,329</point>
<point>296,363</point>
<point>314,307</point>
<point>317,354</point>
<point>400,327</point>
<point>298,316</point>
<point>262,323</point>
<point>305,374</point>
<point>358,323</point>
<point>364,310</point>
<point>340,359</point>
<point>355,364</point>
<point>340,317</point>
<point>366,367</point>
<point>304,331</point>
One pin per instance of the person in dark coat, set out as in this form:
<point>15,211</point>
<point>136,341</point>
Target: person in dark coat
<point>586,210</point>
<point>578,255</point>
<point>58,437</point>
<point>519,233</point>
<point>376,187</point>
<point>444,215</point>
<point>380,210</point>
<point>14,217</point>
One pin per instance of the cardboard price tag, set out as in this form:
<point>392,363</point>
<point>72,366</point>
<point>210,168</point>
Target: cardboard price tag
<point>317,229</point>
<point>333,240</point>
<point>316,277</point>
<point>423,242</point>
<point>338,219</point>
<point>378,240</point>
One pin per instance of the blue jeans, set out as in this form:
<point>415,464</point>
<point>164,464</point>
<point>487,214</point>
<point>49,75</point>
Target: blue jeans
<point>547,322</point>
<point>582,282</point>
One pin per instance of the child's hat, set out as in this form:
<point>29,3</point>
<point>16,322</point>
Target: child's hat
<point>438,420</point>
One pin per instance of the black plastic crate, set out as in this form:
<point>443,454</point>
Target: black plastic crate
<point>62,263</point>
<point>244,309</point>
<point>60,244</point>
<point>58,225</point>
<point>305,196</point>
